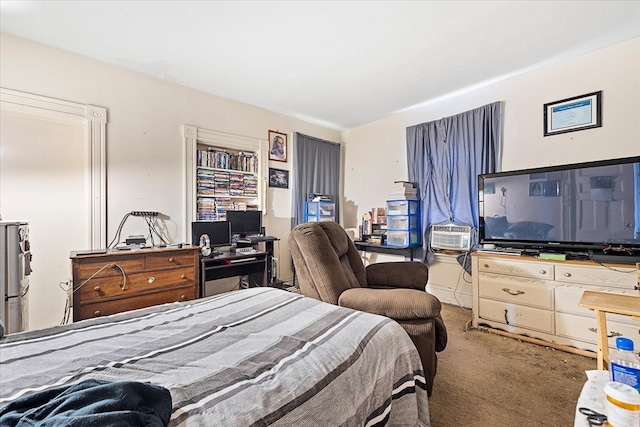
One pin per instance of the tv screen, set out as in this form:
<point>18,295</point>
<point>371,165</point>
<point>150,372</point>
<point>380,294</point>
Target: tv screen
<point>219,232</point>
<point>584,206</point>
<point>245,222</point>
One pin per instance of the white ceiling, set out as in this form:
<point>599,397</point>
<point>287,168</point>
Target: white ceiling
<point>340,64</point>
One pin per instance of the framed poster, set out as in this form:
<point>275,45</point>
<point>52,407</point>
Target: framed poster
<point>573,114</point>
<point>278,178</point>
<point>277,146</point>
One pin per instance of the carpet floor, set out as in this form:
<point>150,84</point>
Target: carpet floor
<point>484,379</point>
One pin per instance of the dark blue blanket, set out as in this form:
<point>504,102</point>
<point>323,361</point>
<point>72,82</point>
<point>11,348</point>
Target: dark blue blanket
<point>92,403</point>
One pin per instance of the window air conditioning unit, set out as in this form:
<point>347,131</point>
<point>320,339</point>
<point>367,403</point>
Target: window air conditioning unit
<point>455,237</point>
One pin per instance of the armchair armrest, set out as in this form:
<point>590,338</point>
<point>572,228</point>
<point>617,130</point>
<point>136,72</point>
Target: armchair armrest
<point>409,275</point>
<point>398,304</point>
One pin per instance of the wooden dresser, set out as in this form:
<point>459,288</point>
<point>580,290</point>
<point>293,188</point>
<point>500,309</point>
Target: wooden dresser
<point>116,281</point>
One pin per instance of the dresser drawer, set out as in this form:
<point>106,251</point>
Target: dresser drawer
<point>518,290</point>
<point>586,328</point>
<point>538,270</point>
<point>105,308</point>
<point>517,316</point>
<point>169,259</point>
<point>617,277</point>
<point>107,267</point>
<point>112,287</point>
<point>568,299</point>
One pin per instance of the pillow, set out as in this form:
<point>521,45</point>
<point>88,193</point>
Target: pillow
<point>495,226</point>
<point>529,230</point>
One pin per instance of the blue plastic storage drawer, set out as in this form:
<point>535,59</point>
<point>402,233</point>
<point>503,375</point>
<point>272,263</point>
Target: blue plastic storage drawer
<point>403,238</point>
<point>402,207</point>
<point>402,222</point>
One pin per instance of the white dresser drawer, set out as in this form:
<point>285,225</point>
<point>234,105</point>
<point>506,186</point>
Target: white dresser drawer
<point>585,329</point>
<point>618,277</point>
<point>516,315</point>
<point>518,290</point>
<point>538,270</point>
<point>568,297</point>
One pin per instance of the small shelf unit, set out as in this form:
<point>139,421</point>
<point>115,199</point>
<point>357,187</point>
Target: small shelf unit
<point>403,223</point>
<point>319,211</point>
<point>224,172</point>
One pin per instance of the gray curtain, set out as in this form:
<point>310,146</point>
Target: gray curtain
<point>316,169</point>
<point>444,159</point>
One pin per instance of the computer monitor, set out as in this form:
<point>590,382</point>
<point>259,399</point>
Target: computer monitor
<point>219,232</point>
<point>245,222</point>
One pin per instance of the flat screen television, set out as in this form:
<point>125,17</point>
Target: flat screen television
<point>245,223</point>
<point>592,207</point>
<point>219,232</point>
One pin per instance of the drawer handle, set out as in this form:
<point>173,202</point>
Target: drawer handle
<point>97,289</point>
<point>542,272</point>
<point>609,335</point>
<point>567,274</point>
<point>506,320</point>
<point>170,259</point>
<point>518,292</point>
<point>151,279</point>
<point>486,266</point>
<point>183,276</point>
<point>183,297</point>
<point>96,313</point>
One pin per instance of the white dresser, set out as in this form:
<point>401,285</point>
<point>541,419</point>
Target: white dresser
<point>539,298</point>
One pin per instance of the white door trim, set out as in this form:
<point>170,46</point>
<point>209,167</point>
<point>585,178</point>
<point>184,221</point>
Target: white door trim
<point>94,120</point>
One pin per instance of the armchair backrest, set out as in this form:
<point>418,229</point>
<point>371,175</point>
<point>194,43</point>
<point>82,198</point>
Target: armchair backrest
<point>326,261</point>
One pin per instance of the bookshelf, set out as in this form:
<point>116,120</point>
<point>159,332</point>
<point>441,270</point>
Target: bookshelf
<point>223,172</point>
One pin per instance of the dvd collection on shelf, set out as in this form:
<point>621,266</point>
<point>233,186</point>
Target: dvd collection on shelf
<point>221,159</point>
<point>220,176</point>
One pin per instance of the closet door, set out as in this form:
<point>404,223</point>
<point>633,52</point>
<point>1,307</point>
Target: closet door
<point>42,180</point>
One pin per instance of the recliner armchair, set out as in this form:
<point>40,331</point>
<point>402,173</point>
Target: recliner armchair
<point>329,268</point>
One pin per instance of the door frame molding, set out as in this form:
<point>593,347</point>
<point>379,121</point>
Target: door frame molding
<point>93,119</point>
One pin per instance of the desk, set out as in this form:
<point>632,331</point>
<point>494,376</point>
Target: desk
<point>272,275</point>
<point>603,303</point>
<point>384,249</point>
<point>231,264</point>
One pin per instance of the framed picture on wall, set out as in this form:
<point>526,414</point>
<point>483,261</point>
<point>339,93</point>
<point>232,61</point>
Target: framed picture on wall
<point>278,178</point>
<point>573,114</point>
<point>277,146</point>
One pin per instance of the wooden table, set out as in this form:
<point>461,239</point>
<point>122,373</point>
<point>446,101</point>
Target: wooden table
<point>603,303</point>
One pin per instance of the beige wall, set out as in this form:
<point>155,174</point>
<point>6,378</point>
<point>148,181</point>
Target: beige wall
<point>375,153</point>
<point>144,137</point>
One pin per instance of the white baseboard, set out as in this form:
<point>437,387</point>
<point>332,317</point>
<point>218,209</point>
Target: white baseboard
<point>451,296</point>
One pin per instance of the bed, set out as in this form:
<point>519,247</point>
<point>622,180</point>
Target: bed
<point>255,357</point>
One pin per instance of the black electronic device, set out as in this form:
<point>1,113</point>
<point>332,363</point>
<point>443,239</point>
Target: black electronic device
<point>593,206</point>
<point>245,223</point>
<point>218,233</point>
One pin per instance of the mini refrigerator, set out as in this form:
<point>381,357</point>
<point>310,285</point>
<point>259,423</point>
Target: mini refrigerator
<point>15,268</point>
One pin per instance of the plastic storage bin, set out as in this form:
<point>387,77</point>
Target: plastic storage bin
<point>402,222</point>
<point>319,211</point>
<point>402,207</point>
<point>403,238</point>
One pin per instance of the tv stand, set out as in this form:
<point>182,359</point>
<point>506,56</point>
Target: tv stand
<point>539,298</point>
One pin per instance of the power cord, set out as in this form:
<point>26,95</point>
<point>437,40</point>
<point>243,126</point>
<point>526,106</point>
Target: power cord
<point>150,218</point>
<point>69,289</point>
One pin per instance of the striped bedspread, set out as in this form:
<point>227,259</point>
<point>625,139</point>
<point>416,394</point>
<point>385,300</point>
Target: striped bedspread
<point>255,357</point>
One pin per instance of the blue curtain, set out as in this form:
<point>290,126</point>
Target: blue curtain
<point>444,159</point>
<point>316,169</point>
